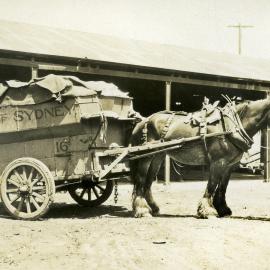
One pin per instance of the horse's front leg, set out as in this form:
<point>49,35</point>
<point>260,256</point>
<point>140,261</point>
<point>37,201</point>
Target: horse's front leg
<point>205,207</point>
<point>219,200</point>
<point>139,204</point>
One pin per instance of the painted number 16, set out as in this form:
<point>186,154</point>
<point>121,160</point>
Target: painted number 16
<point>62,146</point>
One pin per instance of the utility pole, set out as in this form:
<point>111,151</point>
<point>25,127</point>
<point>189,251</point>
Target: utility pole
<point>239,26</point>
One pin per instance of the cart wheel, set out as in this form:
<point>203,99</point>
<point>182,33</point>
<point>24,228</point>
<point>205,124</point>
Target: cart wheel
<point>90,193</point>
<point>27,188</point>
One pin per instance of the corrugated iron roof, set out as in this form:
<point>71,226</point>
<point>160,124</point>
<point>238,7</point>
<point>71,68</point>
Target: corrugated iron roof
<point>22,37</point>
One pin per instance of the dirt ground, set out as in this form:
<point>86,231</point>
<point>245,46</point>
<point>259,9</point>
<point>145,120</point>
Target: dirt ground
<point>108,237</point>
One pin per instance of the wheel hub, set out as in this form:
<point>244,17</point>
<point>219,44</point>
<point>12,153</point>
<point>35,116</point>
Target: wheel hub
<point>24,190</point>
<point>86,183</point>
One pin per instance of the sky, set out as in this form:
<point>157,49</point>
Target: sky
<point>201,24</point>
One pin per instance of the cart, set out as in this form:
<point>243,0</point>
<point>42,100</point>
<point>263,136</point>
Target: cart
<point>52,131</point>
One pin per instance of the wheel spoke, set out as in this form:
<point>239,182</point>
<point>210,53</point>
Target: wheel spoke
<point>101,188</point>
<point>29,179</point>
<point>13,182</point>
<point>18,176</point>
<point>39,188</point>
<point>35,181</point>
<point>96,193</point>
<point>28,207</point>
<point>20,204</point>
<point>12,190</point>
<point>15,199</point>
<point>89,194</point>
<point>38,196</point>
<point>24,175</point>
<point>82,193</point>
<point>34,202</point>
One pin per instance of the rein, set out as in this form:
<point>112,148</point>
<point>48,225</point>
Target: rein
<point>264,147</point>
<point>238,129</point>
<point>239,122</point>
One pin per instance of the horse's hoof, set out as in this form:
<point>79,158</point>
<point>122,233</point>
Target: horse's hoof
<point>205,210</point>
<point>142,212</point>
<point>224,211</point>
<point>155,211</point>
<point>141,208</point>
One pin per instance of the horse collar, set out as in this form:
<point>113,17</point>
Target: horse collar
<point>239,136</point>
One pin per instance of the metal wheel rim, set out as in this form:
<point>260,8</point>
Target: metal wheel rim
<point>27,188</point>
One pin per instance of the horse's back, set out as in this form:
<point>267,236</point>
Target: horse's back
<point>162,125</point>
<point>172,126</point>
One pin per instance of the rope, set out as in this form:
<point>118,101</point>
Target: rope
<point>94,139</point>
<point>104,126</point>
<point>101,130</point>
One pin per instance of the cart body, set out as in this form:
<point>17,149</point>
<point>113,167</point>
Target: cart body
<point>65,129</point>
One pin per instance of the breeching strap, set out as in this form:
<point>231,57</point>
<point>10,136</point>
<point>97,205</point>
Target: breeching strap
<point>166,127</point>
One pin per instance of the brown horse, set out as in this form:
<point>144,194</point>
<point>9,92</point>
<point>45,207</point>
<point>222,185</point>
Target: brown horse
<point>221,153</point>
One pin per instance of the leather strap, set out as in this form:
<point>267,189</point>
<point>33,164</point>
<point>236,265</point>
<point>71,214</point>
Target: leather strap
<point>167,126</point>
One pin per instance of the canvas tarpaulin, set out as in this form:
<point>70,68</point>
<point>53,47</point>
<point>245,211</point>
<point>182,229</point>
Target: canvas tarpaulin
<point>54,87</point>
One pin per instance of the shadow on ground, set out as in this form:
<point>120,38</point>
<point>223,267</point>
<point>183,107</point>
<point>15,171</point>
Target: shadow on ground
<point>63,210</point>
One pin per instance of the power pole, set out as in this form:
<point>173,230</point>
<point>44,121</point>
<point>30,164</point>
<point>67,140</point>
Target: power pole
<point>239,26</point>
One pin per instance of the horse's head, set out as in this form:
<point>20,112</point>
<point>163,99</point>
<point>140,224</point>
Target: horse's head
<point>264,107</point>
<point>267,118</point>
<point>267,111</point>
<point>255,115</point>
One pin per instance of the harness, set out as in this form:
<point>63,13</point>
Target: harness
<point>167,126</point>
<point>144,132</point>
<point>233,123</point>
<point>227,117</point>
<point>229,120</point>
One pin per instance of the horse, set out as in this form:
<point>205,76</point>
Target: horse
<point>221,153</point>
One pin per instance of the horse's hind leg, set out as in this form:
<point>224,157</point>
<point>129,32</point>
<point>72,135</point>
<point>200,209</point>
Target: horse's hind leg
<point>219,200</point>
<point>152,174</point>
<point>140,206</point>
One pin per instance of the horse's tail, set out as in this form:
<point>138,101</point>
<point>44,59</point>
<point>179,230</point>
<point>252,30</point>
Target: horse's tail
<point>139,133</point>
<point>139,136</point>
<point>143,132</point>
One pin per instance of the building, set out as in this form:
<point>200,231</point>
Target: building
<point>158,76</point>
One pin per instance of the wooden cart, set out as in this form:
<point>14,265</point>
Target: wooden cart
<point>55,144</point>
